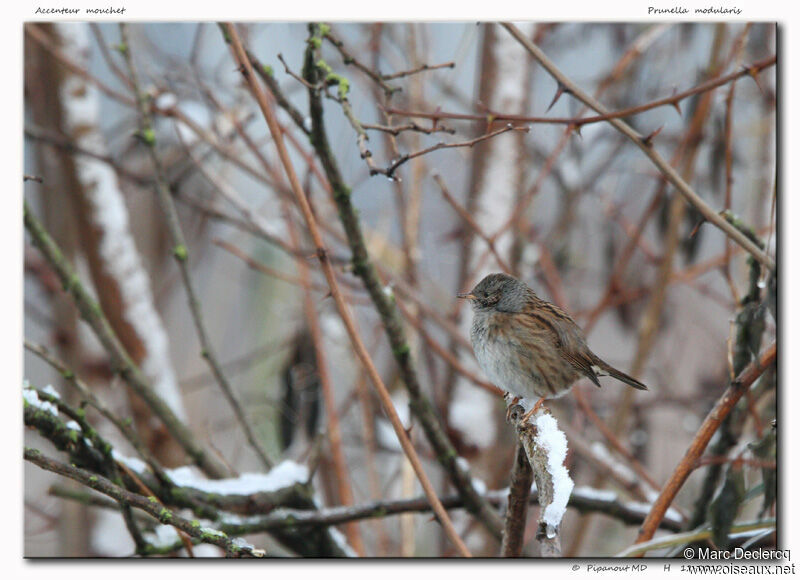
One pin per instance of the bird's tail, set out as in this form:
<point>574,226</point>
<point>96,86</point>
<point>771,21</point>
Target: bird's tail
<point>619,375</point>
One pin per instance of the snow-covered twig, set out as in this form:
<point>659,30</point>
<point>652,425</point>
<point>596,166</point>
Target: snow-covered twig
<point>546,448</point>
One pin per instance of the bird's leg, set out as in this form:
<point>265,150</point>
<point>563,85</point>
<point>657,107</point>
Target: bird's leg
<point>514,401</point>
<point>533,410</point>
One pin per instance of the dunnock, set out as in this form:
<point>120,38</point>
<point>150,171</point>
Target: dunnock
<point>528,346</point>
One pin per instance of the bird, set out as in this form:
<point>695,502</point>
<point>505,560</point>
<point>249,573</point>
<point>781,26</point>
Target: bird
<point>528,346</point>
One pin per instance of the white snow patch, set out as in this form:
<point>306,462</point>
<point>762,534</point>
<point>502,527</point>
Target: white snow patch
<point>341,541</point>
<point>604,456</point>
<point>470,413</point>
<point>242,543</point>
<point>32,398</point>
<point>645,508</point>
<point>110,537</point>
<point>73,425</point>
<point>283,475</point>
<point>166,100</point>
<point>51,391</point>
<point>116,247</point>
<point>384,431</point>
<point>554,442</point>
<point>207,551</point>
<point>590,493</point>
<point>134,463</point>
<point>163,536</point>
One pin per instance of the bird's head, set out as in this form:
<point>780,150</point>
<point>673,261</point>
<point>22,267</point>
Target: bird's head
<point>497,292</point>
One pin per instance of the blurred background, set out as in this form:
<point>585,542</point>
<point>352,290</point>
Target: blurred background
<point>574,209</point>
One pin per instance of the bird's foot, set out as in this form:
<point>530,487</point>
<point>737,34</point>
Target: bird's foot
<point>514,401</point>
<point>526,417</point>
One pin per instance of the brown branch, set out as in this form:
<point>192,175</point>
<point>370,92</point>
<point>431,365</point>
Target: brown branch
<point>343,484</point>
<point>447,356</point>
<point>517,511</point>
<point>257,92</point>
<point>419,69</point>
<point>468,219</point>
<point>646,147</point>
<point>397,129</point>
<point>181,254</point>
<point>151,506</point>
<point>713,420</point>
<point>349,59</point>
<point>672,100</point>
<point>121,361</point>
<point>389,171</point>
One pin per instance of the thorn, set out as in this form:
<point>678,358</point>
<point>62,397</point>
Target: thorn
<point>559,91</point>
<point>648,141</point>
<point>696,228</point>
<point>576,128</point>
<point>753,73</point>
<point>676,104</point>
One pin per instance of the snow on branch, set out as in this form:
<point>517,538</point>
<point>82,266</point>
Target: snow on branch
<point>546,447</point>
<point>107,212</point>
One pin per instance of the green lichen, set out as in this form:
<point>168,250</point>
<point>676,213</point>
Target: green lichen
<point>324,67</point>
<point>121,48</point>
<point>342,82</point>
<point>402,350</point>
<point>71,283</point>
<point>267,70</point>
<point>209,534</point>
<point>92,479</point>
<point>68,375</point>
<point>324,29</point>
<point>333,79</point>
<point>165,516</point>
<point>180,252</point>
<point>148,136</point>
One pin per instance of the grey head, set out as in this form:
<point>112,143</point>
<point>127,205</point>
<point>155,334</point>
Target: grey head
<point>499,292</point>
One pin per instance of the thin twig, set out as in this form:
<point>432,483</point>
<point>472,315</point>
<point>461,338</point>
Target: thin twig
<point>389,171</point>
<point>419,69</point>
<point>713,420</point>
<point>646,147</point>
<point>121,361</point>
<point>181,254</point>
<point>154,508</point>
<point>248,74</point>
<point>578,122</point>
<point>470,221</point>
<point>123,426</point>
<point>343,484</point>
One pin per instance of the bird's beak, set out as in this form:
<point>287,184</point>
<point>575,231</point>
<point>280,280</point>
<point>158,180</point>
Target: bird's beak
<point>466,296</point>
